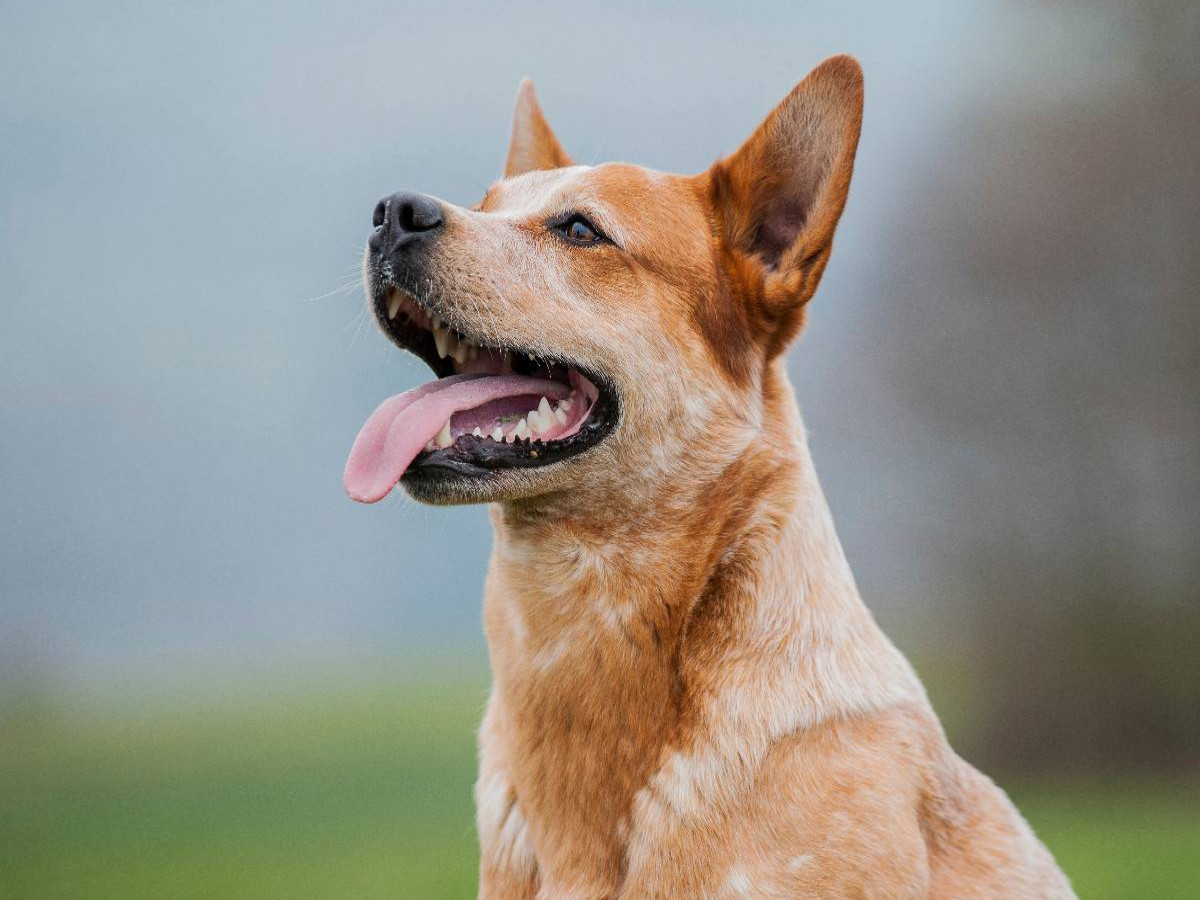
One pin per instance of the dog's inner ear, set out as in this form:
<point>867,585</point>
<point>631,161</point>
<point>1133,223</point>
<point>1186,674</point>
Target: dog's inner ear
<point>779,196</point>
<point>533,145</point>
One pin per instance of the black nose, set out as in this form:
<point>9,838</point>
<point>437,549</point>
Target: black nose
<point>403,220</point>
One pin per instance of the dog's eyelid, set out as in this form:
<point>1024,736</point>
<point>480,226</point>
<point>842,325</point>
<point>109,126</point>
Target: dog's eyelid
<point>603,223</point>
<point>593,220</point>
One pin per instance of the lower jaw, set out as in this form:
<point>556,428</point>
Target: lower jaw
<point>449,483</point>
<point>439,486</point>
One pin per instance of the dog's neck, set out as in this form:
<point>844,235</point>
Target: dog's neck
<point>613,632</point>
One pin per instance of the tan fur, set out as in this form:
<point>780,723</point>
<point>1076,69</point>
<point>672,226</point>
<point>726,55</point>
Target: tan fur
<point>533,145</point>
<point>690,698</point>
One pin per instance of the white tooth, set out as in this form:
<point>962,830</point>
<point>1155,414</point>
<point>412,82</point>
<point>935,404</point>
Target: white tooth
<point>537,423</point>
<point>497,434</point>
<point>443,437</point>
<point>393,304</point>
<point>439,340</point>
<point>511,436</point>
<point>477,432</point>
<point>560,417</point>
<point>544,408</point>
<point>522,429</point>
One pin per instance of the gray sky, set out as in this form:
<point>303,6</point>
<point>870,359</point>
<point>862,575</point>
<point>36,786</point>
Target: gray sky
<point>178,182</point>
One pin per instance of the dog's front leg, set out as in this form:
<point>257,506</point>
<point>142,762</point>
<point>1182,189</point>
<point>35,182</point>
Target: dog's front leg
<point>507,866</point>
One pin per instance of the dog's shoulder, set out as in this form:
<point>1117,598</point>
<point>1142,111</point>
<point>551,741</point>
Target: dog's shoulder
<point>832,812</point>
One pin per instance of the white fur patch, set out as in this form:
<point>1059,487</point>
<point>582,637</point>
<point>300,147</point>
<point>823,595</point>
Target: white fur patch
<point>739,882</point>
<point>502,829</point>
<point>796,863</point>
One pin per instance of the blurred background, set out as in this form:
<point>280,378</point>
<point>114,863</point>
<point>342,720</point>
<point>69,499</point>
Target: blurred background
<point>221,678</point>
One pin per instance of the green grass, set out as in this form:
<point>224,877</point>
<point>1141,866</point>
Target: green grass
<point>363,795</point>
<point>366,794</point>
<point>1131,840</point>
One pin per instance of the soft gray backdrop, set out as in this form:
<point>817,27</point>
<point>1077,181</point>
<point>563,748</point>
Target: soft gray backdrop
<point>999,372</point>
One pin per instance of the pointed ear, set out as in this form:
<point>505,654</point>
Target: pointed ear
<point>779,196</point>
<point>533,145</point>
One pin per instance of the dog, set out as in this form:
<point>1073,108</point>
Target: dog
<point>690,699</point>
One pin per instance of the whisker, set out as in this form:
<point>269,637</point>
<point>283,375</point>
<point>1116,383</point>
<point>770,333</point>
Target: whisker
<point>361,320</point>
<point>344,289</point>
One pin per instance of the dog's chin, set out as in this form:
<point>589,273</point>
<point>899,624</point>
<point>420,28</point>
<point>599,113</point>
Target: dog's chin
<point>439,485</point>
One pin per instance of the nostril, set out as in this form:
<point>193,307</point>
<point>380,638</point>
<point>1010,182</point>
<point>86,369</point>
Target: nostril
<point>406,218</point>
<point>379,214</point>
<point>416,212</point>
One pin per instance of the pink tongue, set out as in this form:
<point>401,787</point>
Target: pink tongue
<point>402,425</point>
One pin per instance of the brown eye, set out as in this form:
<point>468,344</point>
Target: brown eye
<point>579,230</point>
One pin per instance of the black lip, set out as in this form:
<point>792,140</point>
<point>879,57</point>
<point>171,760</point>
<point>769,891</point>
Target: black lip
<point>477,457</point>
<point>408,335</point>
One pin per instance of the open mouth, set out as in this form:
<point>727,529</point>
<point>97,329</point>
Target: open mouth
<point>490,408</point>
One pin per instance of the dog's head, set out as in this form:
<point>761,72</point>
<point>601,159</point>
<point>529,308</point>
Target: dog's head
<point>606,326</point>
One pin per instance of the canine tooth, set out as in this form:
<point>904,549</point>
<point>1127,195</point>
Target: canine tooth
<point>497,434</point>
<point>477,432</point>
<point>439,342</point>
<point>394,299</point>
<point>443,436</point>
